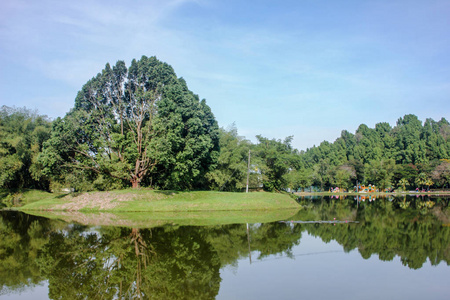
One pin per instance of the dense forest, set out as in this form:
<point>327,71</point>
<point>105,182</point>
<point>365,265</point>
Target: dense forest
<point>410,155</point>
<point>142,126</point>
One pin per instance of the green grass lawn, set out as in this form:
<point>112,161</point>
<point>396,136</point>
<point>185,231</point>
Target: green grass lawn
<point>23,197</point>
<point>145,200</point>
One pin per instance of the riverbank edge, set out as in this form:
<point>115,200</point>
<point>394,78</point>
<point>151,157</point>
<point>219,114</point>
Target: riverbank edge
<point>394,194</point>
<point>146,200</point>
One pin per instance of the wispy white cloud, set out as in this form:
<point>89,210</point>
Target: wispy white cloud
<point>73,72</point>
<point>39,31</point>
<point>275,69</point>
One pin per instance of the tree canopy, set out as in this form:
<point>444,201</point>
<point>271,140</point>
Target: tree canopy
<point>134,125</point>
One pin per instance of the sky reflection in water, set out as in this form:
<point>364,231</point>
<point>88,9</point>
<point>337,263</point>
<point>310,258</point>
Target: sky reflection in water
<point>321,270</point>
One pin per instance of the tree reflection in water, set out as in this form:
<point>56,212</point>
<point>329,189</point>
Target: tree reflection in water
<point>159,263</point>
<point>414,228</point>
<point>184,262</point>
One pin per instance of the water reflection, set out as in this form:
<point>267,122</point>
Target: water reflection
<point>387,227</point>
<point>184,262</point>
<point>165,263</point>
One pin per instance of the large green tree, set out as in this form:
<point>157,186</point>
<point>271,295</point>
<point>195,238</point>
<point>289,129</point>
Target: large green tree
<point>410,147</point>
<point>343,176</point>
<point>138,125</point>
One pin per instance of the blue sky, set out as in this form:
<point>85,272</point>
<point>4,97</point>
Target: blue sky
<point>306,68</point>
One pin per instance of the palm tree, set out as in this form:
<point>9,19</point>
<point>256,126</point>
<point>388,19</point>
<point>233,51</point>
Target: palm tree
<point>403,182</point>
<point>421,179</point>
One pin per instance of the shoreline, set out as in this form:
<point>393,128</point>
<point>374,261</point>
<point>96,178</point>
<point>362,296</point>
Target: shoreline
<point>395,194</point>
<point>147,200</point>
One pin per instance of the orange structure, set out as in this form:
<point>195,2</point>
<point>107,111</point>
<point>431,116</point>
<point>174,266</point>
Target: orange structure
<point>367,189</point>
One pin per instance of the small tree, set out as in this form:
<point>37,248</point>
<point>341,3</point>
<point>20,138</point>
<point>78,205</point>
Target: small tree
<point>429,183</point>
<point>230,173</point>
<point>299,179</point>
<point>421,180</point>
<point>403,182</point>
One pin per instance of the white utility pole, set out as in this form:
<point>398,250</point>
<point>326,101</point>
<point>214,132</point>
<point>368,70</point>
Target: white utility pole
<point>248,171</point>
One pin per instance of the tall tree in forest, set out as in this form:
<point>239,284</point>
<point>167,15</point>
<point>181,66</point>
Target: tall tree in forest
<point>276,160</point>
<point>410,148</point>
<point>299,179</point>
<point>343,176</point>
<point>380,172</point>
<point>232,165</point>
<point>133,125</point>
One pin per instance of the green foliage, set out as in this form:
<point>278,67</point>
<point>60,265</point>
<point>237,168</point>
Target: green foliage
<point>21,239</point>
<point>22,134</point>
<point>230,174</point>
<point>385,229</point>
<point>343,176</point>
<point>423,180</point>
<point>135,126</point>
<point>299,179</point>
<point>276,159</point>
<point>384,155</point>
<point>321,172</point>
<point>142,126</point>
<point>164,263</point>
<point>403,182</point>
<point>380,172</point>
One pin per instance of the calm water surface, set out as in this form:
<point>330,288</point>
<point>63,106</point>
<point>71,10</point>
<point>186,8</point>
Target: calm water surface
<point>333,248</point>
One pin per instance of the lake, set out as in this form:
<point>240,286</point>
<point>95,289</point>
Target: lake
<point>339,248</point>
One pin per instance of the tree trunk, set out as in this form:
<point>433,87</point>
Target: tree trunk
<point>135,183</point>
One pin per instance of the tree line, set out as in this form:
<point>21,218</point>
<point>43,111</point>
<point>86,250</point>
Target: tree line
<point>409,155</point>
<point>141,126</point>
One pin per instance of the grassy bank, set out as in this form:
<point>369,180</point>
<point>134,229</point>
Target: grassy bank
<point>145,200</point>
<point>22,197</point>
